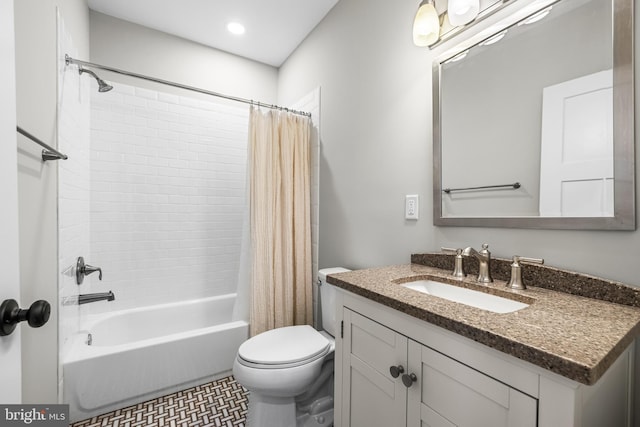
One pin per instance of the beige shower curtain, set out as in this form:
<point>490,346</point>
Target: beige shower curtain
<point>280,220</point>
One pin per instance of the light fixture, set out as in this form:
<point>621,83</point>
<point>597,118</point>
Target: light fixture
<point>235,28</point>
<point>494,38</point>
<point>462,12</point>
<point>458,57</point>
<point>536,16</point>
<point>426,25</point>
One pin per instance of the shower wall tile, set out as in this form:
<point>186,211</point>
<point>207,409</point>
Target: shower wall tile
<point>73,184</point>
<point>167,196</point>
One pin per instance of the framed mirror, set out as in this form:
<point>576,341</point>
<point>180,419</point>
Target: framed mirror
<point>534,120</point>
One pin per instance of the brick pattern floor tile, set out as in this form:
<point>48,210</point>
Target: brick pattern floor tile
<point>221,403</point>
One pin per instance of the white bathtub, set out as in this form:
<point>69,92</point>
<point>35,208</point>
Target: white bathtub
<point>139,354</point>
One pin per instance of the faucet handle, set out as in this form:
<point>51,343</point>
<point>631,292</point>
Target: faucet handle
<point>83,269</point>
<point>485,250</point>
<point>451,251</point>
<point>515,282</point>
<point>517,259</point>
<point>458,270</point>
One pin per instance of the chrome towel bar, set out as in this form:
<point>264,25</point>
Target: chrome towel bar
<point>515,185</point>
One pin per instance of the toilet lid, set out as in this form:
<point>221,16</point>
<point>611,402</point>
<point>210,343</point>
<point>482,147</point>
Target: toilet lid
<point>282,346</point>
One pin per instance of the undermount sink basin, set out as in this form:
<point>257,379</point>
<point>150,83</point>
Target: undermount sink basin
<point>466,296</point>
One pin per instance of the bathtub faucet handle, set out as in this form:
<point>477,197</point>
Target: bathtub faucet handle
<point>88,269</point>
<point>83,269</point>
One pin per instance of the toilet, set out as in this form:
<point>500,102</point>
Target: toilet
<point>289,371</point>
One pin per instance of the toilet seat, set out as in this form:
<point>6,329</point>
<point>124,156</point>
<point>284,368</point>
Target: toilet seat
<point>284,348</point>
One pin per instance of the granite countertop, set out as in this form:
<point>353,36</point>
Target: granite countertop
<point>572,335</point>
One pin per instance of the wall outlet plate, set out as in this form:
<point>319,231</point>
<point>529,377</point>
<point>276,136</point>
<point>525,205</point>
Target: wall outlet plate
<point>411,206</point>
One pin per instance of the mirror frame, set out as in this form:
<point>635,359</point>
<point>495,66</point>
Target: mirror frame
<point>623,138</point>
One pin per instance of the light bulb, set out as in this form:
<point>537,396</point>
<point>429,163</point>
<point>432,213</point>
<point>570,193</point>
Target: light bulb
<point>235,28</point>
<point>426,25</point>
<point>462,12</point>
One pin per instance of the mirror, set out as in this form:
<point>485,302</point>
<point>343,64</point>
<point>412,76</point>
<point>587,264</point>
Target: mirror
<point>534,120</point>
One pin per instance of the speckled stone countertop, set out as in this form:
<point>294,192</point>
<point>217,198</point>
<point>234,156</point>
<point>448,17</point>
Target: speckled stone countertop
<point>575,336</point>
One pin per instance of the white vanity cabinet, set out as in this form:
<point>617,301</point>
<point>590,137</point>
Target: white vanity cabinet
<point>373,397</point>
<point>452,381</point>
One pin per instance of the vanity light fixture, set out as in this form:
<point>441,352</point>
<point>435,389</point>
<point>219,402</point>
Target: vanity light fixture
<point>426,25</point>
<point>536,16</point>
<point>461,12</point>
<point>235,28</point>
<point>458,57</point>
<point>494,38</point>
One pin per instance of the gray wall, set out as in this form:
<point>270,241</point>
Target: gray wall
<point>131,47</point>
<point>375,127</point>
<point>35,26</point>
<point>376,147</point>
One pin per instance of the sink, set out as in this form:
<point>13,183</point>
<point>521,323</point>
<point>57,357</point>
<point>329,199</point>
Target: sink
<point>466,296</point>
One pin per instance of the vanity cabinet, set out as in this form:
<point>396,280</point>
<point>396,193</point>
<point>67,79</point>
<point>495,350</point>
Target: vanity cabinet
<point>442,379</point>
<point>391,380</point>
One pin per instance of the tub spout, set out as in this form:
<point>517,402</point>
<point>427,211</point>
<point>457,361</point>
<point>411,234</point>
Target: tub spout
<point>104,296</point>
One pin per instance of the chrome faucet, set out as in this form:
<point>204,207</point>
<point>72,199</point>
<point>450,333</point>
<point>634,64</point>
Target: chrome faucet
<point>484,259</point>
<point>101,296</point>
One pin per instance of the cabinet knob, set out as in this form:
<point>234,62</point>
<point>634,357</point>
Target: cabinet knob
<point>408,380</point>
<point>395,371</point>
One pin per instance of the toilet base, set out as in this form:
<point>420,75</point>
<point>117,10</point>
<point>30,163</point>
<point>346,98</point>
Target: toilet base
<point>321,414</point>
<point>281,411</point>
<point>270,411</point>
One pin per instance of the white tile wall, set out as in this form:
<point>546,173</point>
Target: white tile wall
<point>73,184</point>
<point>167,196</point>
<point>153,193</point>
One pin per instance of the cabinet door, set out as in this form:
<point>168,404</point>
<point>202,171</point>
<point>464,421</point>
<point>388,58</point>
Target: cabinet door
<point>449,393</point>
<point>371,396</point>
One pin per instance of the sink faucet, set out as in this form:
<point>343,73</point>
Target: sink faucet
<point>484,259</point>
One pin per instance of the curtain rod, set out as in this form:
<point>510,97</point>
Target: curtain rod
<point>69,60</point>
<point>49,153</point>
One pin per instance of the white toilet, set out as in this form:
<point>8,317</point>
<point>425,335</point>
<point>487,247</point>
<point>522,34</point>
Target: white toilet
<point>289,371</point>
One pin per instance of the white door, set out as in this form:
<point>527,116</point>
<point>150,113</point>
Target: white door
<point>10,354</point>
<point>576,161</point>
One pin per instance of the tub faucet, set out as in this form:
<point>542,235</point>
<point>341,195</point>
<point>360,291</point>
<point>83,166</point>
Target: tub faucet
<point>104,296</point>
<point>484,259</point>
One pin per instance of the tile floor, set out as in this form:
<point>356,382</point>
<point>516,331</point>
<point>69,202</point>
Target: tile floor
<point>221,403</point>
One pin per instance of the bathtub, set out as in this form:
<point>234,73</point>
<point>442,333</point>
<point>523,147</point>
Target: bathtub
<point>143,353</point>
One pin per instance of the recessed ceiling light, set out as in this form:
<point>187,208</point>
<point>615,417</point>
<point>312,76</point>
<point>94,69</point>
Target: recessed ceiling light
<point>235,28</point>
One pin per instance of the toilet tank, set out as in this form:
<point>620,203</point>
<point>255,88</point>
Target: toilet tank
<point>328,299</point>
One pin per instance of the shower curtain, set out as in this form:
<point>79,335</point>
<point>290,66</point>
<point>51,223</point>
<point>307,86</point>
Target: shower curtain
<point>280,220</point>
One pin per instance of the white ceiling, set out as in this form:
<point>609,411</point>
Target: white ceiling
<point>274,28</point>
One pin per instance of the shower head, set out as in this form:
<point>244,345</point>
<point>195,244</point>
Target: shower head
<point>102,85</point>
